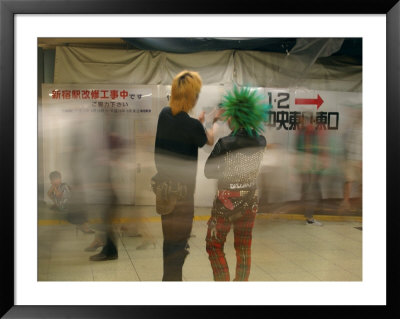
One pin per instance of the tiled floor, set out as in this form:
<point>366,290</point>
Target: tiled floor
<point>284,249</point>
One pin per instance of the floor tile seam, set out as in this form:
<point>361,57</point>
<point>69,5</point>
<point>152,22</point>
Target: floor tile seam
<point>129,256</point>
<point>325,257</point>
<point>320,238</point>
<point>312,274</point>
<point>300,244</point>
<point>350,273</point>
<point>283,256</point>
<point>263,270</point>
<point>329,262</point>
<point>356,274</point>
<point>328,242</point>
<point>273,275</point>
<point>342,235</point>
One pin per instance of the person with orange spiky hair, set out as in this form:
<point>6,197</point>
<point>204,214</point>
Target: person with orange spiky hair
<point>178,138</point>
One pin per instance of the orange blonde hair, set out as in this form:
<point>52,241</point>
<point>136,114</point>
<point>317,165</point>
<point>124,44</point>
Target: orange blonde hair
<point>185,90</point>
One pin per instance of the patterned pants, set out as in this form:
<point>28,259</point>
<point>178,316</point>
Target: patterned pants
<point>215,241</point>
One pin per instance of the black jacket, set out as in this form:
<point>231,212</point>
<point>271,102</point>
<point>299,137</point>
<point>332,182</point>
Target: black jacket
<point>177,141</point>
<point>235,160</point>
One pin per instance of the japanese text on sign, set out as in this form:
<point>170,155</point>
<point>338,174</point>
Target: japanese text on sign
<point>292,120</point>
<point>94,94</point>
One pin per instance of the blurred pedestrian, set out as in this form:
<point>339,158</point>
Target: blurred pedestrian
<point>310,163</point>
<point>352,158</point>
<point>90,162</point>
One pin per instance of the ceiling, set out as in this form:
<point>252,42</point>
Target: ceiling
<point>352,47</point>
<point>51,43</point>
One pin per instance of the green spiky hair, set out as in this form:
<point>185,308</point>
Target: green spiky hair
<point>245,109</point>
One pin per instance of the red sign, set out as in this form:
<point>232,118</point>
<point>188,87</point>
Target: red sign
<point>318,101</point>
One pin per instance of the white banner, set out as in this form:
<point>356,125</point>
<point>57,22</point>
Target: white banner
<point>130,114</point>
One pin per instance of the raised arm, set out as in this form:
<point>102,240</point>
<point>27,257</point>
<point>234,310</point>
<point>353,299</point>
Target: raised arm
<point>214,163</point>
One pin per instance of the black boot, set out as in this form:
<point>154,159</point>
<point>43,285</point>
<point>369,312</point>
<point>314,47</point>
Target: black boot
<point>109,252</point>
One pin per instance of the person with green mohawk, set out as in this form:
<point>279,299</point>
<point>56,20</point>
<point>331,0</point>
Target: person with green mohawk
<point>235,161</point>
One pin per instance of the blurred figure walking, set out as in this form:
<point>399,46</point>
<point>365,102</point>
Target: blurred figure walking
<point>311,162</point>
<point>352,158</point>
<point>90,160</point>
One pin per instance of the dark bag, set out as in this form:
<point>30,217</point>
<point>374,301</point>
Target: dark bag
<point>168,193</point>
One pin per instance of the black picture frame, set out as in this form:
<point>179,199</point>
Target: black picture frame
<point>8,10</point>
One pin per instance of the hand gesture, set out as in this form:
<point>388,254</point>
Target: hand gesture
<point>202,117</point>
<point>218,114</point>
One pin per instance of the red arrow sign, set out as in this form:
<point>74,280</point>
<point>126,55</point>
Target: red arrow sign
<point>318,101</point>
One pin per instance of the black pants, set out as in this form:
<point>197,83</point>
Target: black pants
<point>108,213</point>
<point>176,228</point>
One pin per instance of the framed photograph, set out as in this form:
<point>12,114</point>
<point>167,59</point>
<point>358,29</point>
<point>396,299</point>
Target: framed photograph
<point>30,290</point>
